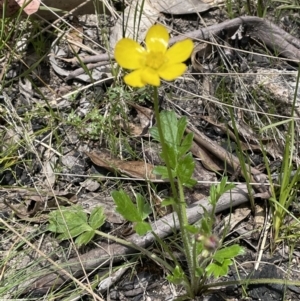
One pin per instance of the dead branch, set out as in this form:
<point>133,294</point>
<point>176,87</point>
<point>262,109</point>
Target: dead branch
<point>269,34</point>
<point>263,31</point>
<point>272,36</point>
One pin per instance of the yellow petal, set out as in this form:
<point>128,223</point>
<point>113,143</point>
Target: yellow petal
<point>171,71</point>
<point>180,51</point>
<point>157,39</point>
<point>129,54</point>
<point>134,79</point>
<point>150,76</point>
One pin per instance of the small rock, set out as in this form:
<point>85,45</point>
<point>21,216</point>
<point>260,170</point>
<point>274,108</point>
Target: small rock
<point>90,185</point>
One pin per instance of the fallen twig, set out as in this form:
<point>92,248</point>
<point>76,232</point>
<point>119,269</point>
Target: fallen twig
<point>260,29</point>
<point>269,34</point>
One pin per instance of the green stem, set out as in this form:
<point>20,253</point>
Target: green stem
<point>207,287</point>
<point>186,237</point>
<point>163,144</point>
<point>179,201</point>
<point>132,245</point>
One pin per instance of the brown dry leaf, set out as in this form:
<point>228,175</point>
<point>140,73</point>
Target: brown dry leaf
<point>135,169</point>
<point>132,129</point>
<point>201,189</point>
<point>147,17</point>
<point>200,56</point>
<point>237,216</point>
<point>36,202</point>
<point>259,221</point>
<point>144,116</point>
<point>252,140</point>
<point>248,135</point>
<point>75,36</point>
<point>275,150</point>
<point>260,214</point>
<point>231,221</point>
<point>208,160</point>
<point>224,128</point>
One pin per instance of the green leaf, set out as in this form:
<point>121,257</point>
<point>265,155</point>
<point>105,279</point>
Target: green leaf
<point>74,231</point>
<point>162,171</point>
<point>72,222</point>
<point>59,218</point>
<point>199,272</point>
<point>167,202</point>
<point>205,226</point>
<point>154,133</point>
<point>177,276</point>
<point>181,125</point>
<point>199,248</point>
<point>172,155</point>
<point>144,208</point>
<point>84,238</point>
<point>216,269</point>
<point>228,252</point>
<point>68,221</point>
<point>141,228</point>
<point>192,229</point>
<point>169,126</point>
<point>185,170</point>
<point>126,207</point>
<point>186,144</point>
<point>97,218</point>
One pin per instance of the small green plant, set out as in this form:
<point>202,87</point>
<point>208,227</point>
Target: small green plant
<point>261,8</point>
<point>287,4</point>
<point>203,250</point>
<point>135,214</point>
<point>284,190</point>
<point>74,222</point>
<point>229,9</point>
<point>236,8</point>
<point>289,183</point>
<point>206,254</point>
<point>40,42</point>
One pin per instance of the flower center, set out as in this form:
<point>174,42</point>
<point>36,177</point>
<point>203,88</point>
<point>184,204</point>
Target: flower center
<point>155,60</point>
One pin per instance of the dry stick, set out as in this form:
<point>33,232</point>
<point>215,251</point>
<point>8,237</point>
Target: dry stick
<point>263,30</point>
<point>77,61</point>
<point>256,176</point>
<point>80,71</point>
<point>116,252</point>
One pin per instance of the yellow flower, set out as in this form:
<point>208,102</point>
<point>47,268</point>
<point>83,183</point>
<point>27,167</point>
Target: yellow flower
<point>155,61</point>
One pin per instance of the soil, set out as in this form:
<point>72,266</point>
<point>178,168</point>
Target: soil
<point>57,162</point>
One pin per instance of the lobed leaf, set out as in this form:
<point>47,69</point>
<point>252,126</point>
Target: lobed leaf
<point>141,228</point>
<point>126,207</point>
<point>97,218</point>
<point>144,208</point>
<point>185,170</point>
<point>228,252</point>
<point>217,269</point>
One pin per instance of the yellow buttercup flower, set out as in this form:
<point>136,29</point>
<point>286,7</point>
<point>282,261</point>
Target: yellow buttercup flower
<point>155,61</point>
